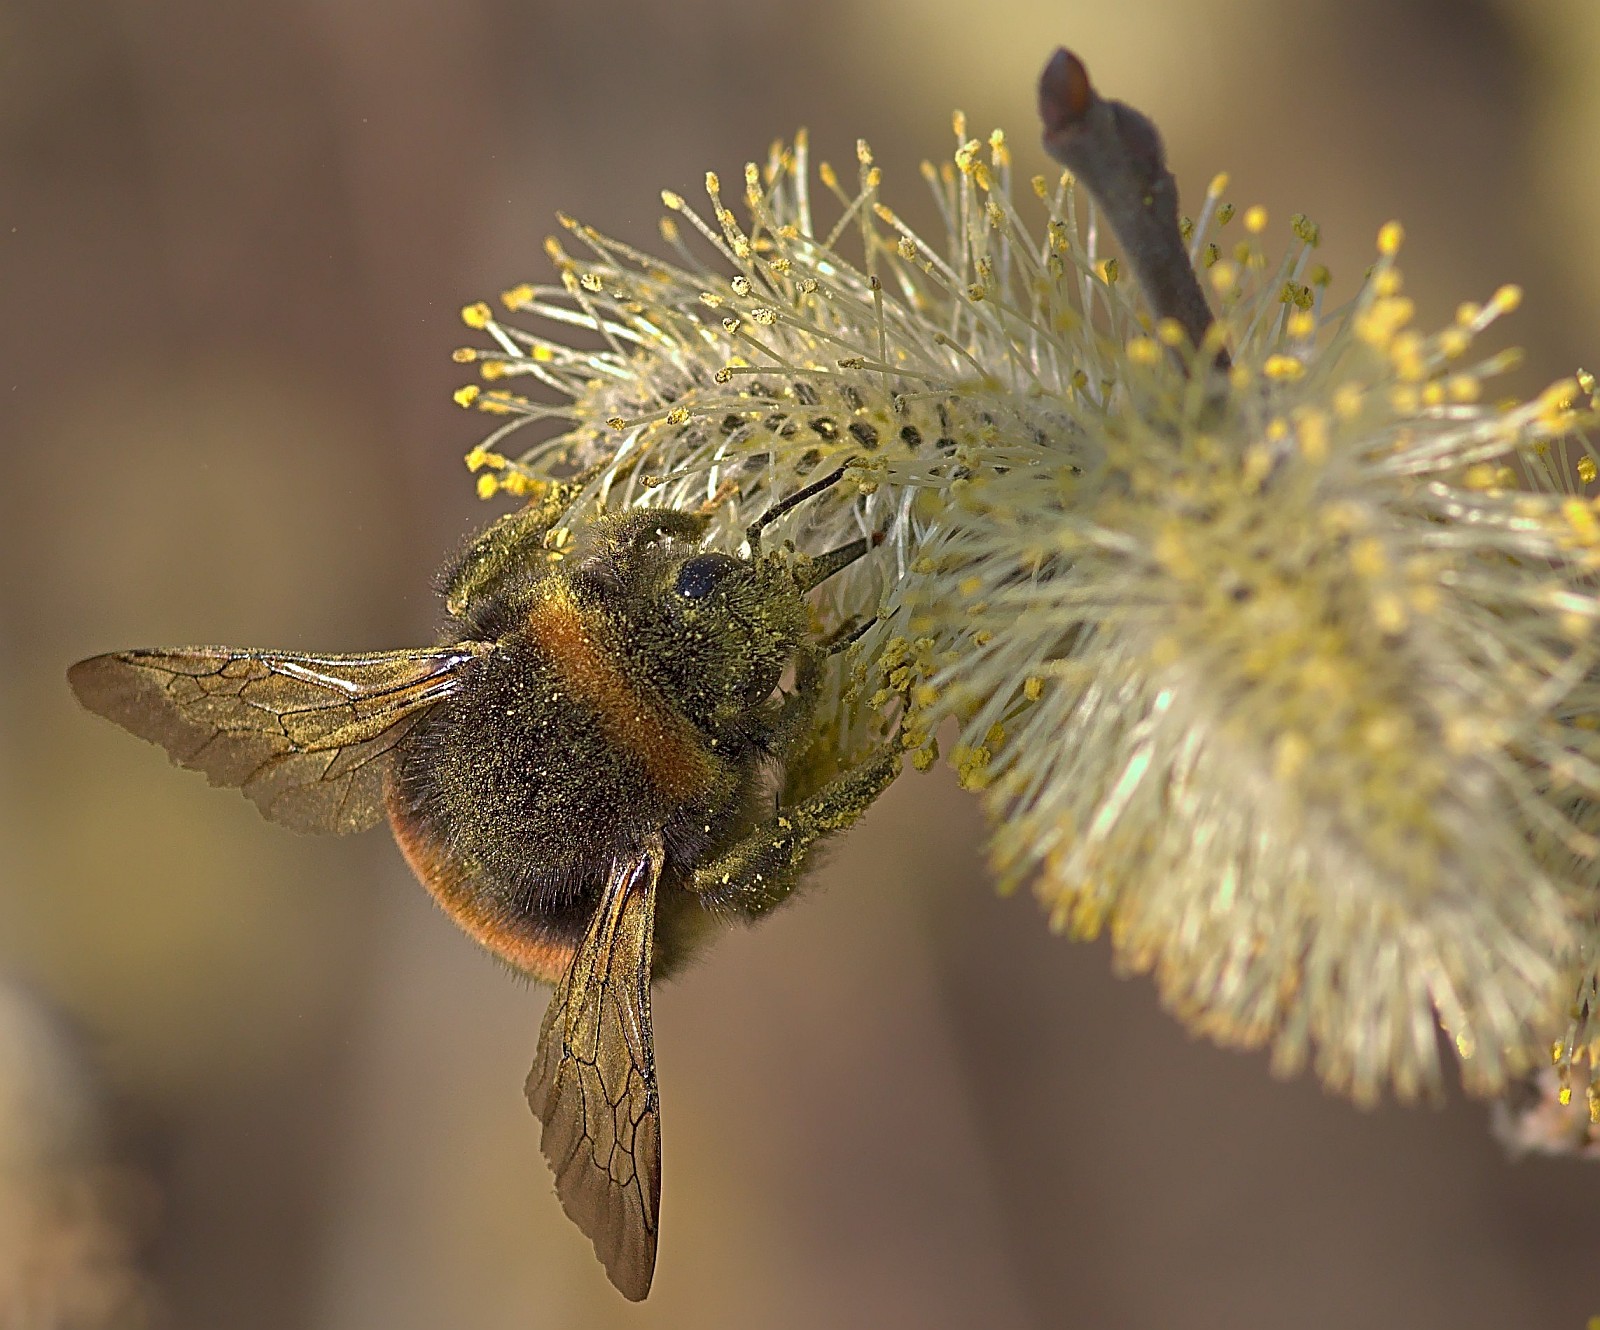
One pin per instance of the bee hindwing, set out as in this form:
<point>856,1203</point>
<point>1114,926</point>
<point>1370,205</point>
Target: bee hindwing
<point>593,1082</point>
<point>302,736</point>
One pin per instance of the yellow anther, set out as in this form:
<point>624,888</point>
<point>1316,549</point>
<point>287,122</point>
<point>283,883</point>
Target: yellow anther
<point>488,485</point>
<point>477,315</point>
<point>464,355</point>
<point>1284,368</point>
<point>1144,351</point>
<point>466,396</point>
<point>1171,333</point>
<point>1219,182</point>
<point>1290,755</point>
<point>1257,467</point>
<point>1388,282</point>
<point>1390,237</point>
<point>517,296</point>
<point>1306,229</point>
<point>1555,402</point>
<point>1506,299</point>
<point>1587,470</point>
<point>1367,558</point>
<point>1313,436</point>
<point>1255,219</point>
<point>1347,400</point>
<point>1300,325</point>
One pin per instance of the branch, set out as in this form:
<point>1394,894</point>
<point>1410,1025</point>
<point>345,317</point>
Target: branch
<point>1117,154</point>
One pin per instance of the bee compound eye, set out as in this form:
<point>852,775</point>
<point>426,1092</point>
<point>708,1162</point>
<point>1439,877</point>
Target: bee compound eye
<point>699,577</point>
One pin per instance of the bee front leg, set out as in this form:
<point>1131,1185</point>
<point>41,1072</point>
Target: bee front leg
<point>792,722</point>
<point>760,872</point>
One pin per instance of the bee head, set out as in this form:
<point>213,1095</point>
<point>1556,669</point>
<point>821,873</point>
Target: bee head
<point>713,631</point>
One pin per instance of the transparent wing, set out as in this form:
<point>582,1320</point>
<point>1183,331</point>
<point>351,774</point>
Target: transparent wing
<point>302,736</point>
<point>593,1082</point>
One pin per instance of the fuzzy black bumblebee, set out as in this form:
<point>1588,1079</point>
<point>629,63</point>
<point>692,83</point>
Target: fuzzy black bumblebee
<point>577,774</point>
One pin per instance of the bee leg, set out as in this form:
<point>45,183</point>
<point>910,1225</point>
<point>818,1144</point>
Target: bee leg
<point>792,723</point>
<point>759,873</point>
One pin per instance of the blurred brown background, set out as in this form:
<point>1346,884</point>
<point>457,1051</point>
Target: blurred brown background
<point>233,239</point>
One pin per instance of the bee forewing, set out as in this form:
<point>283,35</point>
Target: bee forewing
<point>593,1083</point>
<point>302,736</point>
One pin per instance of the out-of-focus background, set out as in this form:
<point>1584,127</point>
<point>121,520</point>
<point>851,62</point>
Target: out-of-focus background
<point>251,1081</point>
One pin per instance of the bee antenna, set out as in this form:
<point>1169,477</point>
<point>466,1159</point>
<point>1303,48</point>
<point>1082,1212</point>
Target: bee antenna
<point>824,566</point>
<point>753,532</point>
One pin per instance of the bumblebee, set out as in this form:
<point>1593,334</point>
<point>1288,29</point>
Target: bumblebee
<point>580,773</point>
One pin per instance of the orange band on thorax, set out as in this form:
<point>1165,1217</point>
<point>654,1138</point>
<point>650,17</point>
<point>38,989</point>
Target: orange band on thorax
<point>633,718</point>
